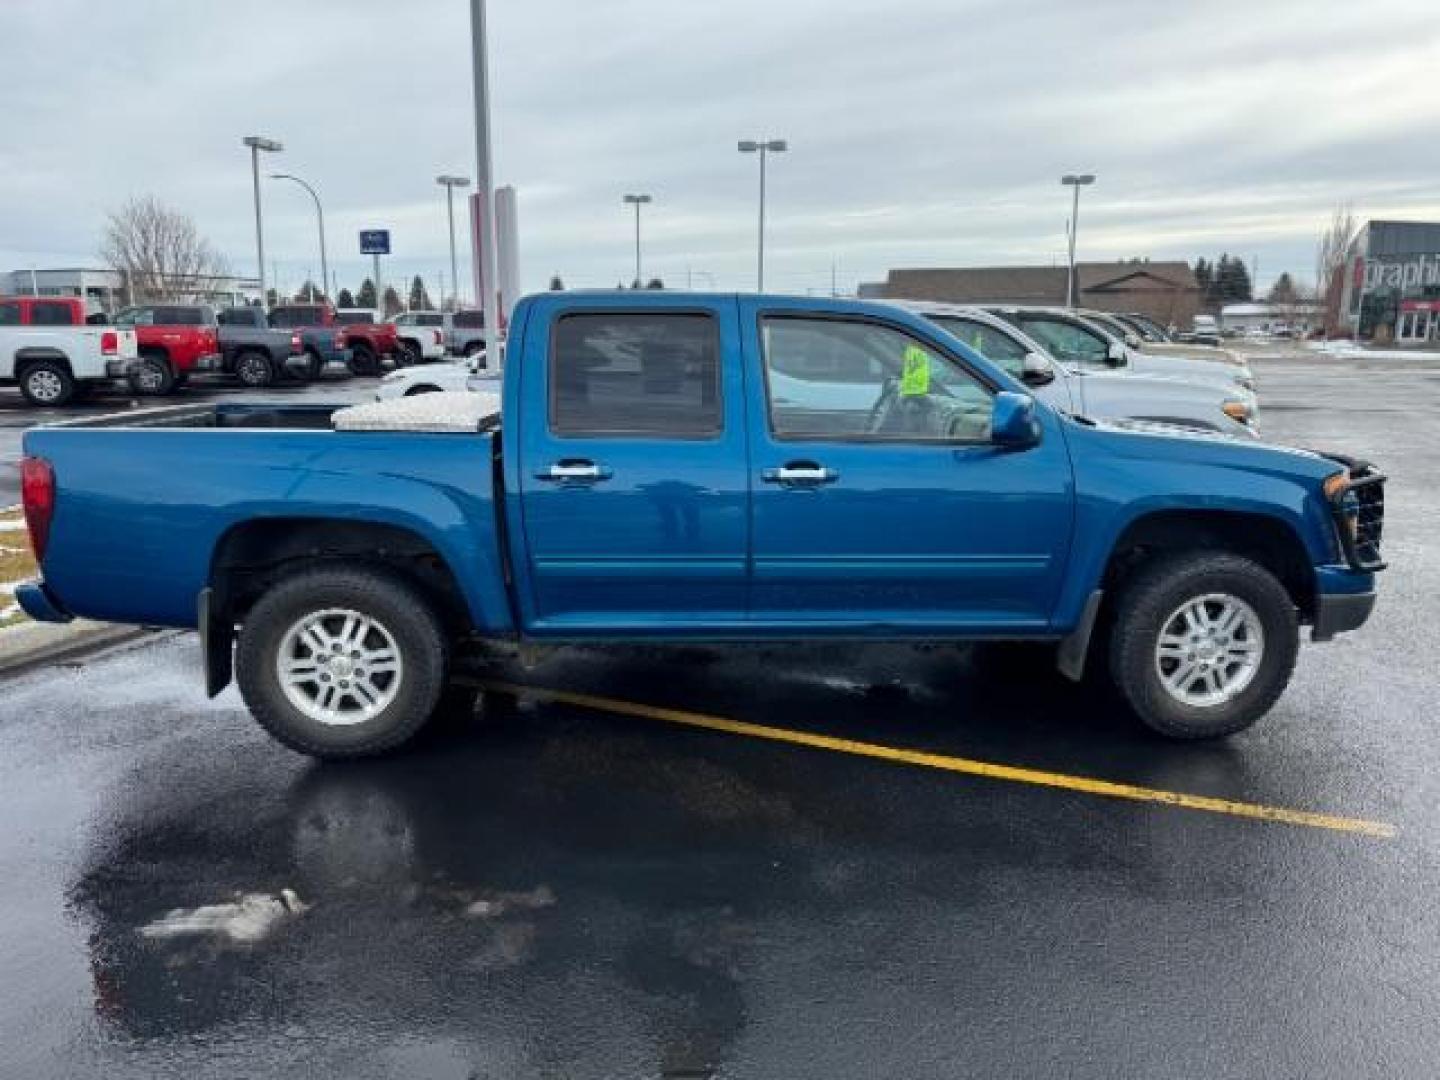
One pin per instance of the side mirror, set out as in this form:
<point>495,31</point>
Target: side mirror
<point>1115,356</point>
<point>1013,423</point>
<point>1036,370</point>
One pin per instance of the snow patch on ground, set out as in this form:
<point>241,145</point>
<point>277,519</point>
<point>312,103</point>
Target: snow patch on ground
<point>1349,349</point>
<point>250,918</point>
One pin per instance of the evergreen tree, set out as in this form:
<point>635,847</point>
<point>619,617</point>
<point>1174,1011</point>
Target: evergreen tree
<point>654,283</point>
<point>345,299</point>
<point>556,285</point>
<point>1204,277</point>
<point>309,293</point>
<point>1283,291</point>
<point>419,298</point>
<point>392,301</point>
<point>366,297</point>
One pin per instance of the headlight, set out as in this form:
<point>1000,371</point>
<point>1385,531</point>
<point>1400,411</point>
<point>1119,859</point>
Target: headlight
<point>1237,410</point>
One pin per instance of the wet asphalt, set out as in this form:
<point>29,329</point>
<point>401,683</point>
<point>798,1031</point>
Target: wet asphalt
<point>559,891</point>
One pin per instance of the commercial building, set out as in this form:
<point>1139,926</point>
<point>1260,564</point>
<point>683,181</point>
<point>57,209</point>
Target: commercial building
<point>1165,291</point>
<point>1298,316</point>
<point>1392,285</point>
<point>104,290</point>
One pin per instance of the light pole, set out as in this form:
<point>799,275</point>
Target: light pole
<point>450,183</point>
<point>320,220</point>
<point>257,143</point>
<point>485,257</point>
<point>1076,183</point>
<point>637,201</point>
<point>762,147</point>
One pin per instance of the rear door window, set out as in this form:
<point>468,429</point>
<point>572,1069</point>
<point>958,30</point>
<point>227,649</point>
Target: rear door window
<point>9,314</point>
<point>617,374</point>
<point>50,314</point>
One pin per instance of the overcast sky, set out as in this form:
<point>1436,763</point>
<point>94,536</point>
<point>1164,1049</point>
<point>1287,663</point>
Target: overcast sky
<point>922,133</point>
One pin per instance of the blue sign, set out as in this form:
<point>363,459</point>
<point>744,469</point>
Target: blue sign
<point>374,241</point>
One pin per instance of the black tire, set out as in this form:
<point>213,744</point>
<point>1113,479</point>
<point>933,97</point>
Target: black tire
<point>153,376</point>
<point>385,599</point>
<point>473,348</point>
<point>315,366</point>
<point>363,361</point>
<point>47,384</point>
<point>409,354</point>
<point>254,369</point>
<point>423,388</point>
<point>1148,601</point>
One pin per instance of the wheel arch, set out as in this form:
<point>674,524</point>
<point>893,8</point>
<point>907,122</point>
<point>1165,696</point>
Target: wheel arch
<point>28,357</point>
<point>1269,540</point>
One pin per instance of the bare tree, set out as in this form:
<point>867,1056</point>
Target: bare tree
<point>1330,256</point>
<point>158,252</point>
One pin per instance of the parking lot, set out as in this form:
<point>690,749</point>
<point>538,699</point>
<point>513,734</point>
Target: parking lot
<point>758,862</point>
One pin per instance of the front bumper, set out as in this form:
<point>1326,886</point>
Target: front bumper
<point>1336,613</point>
<point>36,601</point>
<point>209,362</point>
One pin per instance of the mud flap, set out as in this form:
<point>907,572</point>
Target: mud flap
<point>217,645</point>
<point>1073,648</point>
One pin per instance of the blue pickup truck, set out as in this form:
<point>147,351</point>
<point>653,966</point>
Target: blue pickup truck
<point>640,478</point>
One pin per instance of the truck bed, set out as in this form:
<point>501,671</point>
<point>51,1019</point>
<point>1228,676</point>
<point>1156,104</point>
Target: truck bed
<point>457,413</point>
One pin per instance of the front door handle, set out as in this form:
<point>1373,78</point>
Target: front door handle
<point>575,472</point>
<point>800,474</point>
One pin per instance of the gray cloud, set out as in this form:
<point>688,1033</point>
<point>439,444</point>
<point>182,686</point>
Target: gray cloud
<point>922,132</point>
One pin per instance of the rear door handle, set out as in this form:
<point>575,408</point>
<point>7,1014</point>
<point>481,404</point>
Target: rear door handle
<point>575,472</point>
<point>800,474</point>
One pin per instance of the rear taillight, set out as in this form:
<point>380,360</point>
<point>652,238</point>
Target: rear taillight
<point>295,343</point>
<point>109,343</point>
<point>37,494</point>
<point>439,338</point>
<point>339,341</point>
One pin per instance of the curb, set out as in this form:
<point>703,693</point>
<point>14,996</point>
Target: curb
<point>36,645</point>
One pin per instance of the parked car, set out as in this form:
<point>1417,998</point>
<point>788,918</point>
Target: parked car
<point>647,484</point>
<point>370,340</point>
<point>1195,350</point>
<point>463,331</point>
<point>1102,394</point>
<point>421,334</point>
<point>175,340</point>
<point>1075,340</point>
<point>50,351</point>
<point>324,346</point>
<point>462,373</point>
<point>254,353</point>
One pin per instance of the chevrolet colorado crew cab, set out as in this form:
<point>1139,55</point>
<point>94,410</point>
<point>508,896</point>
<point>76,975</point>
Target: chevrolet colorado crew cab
<point>50,351</point>
<point>638,478</point>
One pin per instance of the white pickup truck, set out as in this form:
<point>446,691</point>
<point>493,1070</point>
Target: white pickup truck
<point>48,350</point>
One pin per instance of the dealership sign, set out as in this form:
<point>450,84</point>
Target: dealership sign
<point>1404,273</point>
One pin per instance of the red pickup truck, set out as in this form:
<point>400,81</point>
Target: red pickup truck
<point>174,340</point>
<point>369,339</point>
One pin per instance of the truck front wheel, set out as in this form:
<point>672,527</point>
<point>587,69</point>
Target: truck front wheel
<point>153,375</point>
<point>1203,643</point>
<point>342,663</point>
<point>254,369</point>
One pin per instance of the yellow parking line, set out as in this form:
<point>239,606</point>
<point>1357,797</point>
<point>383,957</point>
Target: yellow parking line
<point>1013,773</point>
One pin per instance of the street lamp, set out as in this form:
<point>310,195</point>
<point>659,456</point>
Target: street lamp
<point>1075,182</point>
<point>320,219</point>
<point>450,183</point>
<point>637,201</point>
<point>762,147</point>
<point>256,144</point>
<point>485,257</point>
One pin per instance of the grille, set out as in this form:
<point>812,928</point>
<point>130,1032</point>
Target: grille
<point>1360,518</point>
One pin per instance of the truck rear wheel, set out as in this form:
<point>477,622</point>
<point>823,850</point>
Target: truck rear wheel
<point>47,383</point>
<point>363,361</point>
<point>1203,643</point>
<point>342,663</point>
